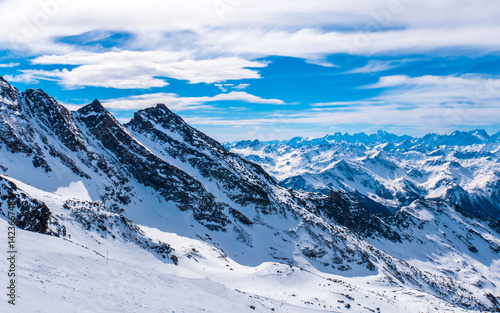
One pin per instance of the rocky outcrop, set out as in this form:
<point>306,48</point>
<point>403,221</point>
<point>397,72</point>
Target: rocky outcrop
<point>29,214</point>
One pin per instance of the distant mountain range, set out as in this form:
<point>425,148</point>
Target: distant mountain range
<point>457,138</point>
<point>387,171</point>
<point>155,215</point>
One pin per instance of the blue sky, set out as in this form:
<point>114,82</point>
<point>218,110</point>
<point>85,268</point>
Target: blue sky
<point>241,69</point>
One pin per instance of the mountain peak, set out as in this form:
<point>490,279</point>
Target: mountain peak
<point>7,90</point>
<point>481,133</point>
<point>96,104</point>
<point>162,106</point>
<point>5,83</point>
<point>162,116</point>
<point>93,108</point>
<point>161,112</point>
<point>96,116</point>
<point>41,100</point>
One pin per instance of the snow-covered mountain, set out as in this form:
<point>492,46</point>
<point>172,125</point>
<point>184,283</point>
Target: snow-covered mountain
<point>389,171</point>
<point>155,216</point>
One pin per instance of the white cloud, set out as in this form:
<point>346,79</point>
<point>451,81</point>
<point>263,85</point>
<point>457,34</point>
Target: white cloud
<point>374,66</point>
<point>11,64</point>
<point>195,41</point>
<point>245,97</point>
<point>313,44</point>
<point>339,103</point>
<point>24,78</point>
<point>429,90</point>
<point>320,62</point>
<point>226,87</point>
<point>139,69</point>
<point>71,107</point>
<point>241,86</point>
<point>176,102</point>
<point>433,80</point>
<point>92,75</point>
<point>124,57</point>
<point>307,29</point>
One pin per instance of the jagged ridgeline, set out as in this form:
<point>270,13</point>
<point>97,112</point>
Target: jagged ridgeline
<point>159,172</point>
<point>387,171</point>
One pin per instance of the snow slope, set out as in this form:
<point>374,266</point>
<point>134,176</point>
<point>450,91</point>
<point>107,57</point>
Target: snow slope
<point>90,271</point>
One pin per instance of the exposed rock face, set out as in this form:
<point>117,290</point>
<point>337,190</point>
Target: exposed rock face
<point>12,123</point>
<point>346,210</point>
<point>55,118</point>
<point>94,216</point>
<point>30,214</point>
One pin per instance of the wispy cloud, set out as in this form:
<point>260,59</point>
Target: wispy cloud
<point>426,117</point>
<point>178,103</point>
<point>139,69</point>
<point>320,105</point>
<point>313,44</point>
<point>320,62</point>
<point>11,64</point>
<point>309,29</point>
<point>96,76</point>
<point>241,86</point>
<point>226,87</point>
<point>430,102</point>
<point>433,80</point>
<point>374,66</point>
<point>471,89</point>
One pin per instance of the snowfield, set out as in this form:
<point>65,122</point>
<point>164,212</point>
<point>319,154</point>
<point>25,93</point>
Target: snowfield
<point>92,272</point>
